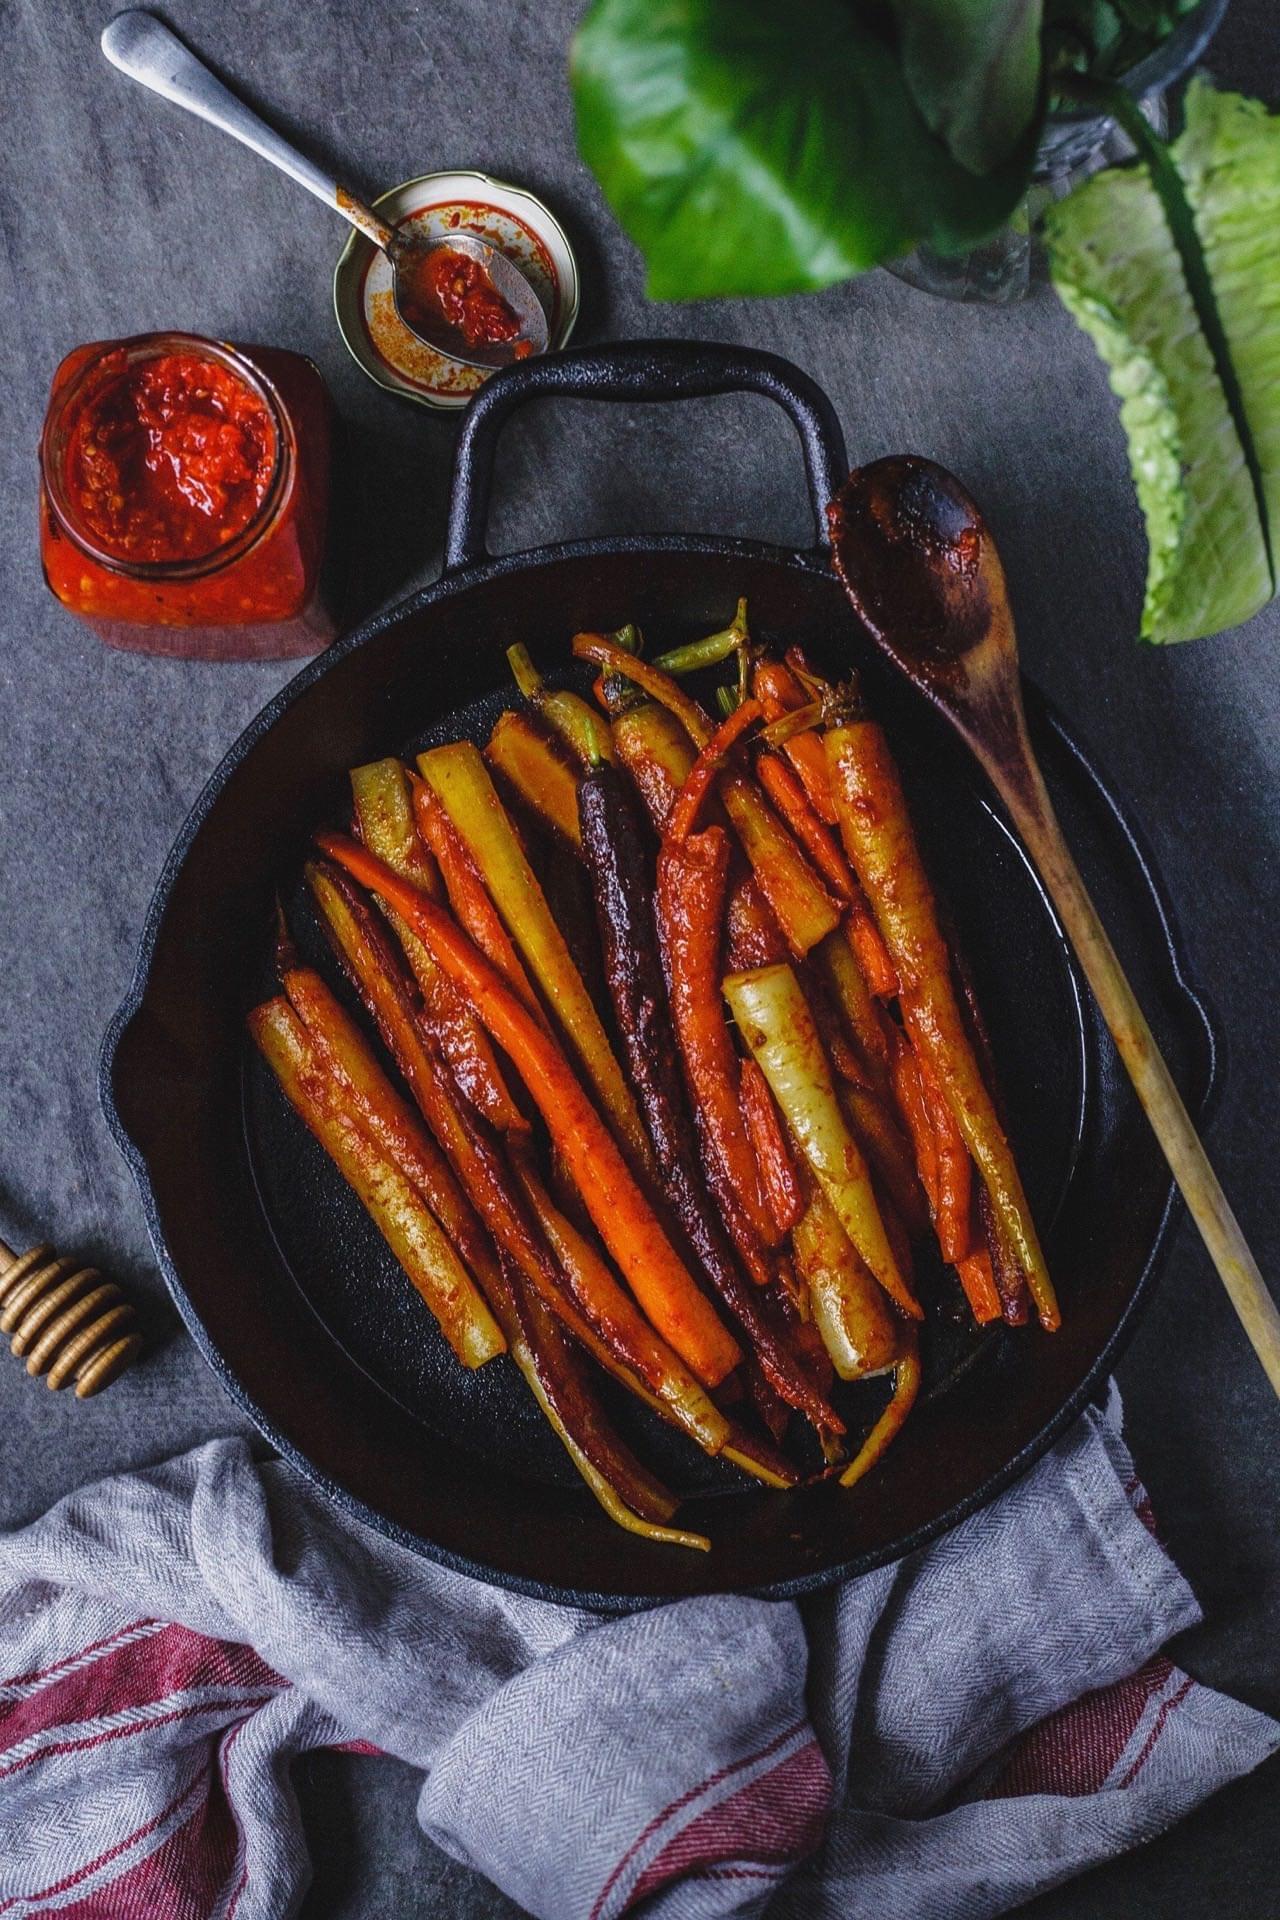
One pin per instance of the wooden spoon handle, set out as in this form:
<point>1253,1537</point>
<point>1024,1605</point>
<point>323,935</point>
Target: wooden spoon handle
<point>1033,814</point>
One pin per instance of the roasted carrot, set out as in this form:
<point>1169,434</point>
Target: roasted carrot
<point>573,719</point>
<point>778,1176</point>
<point>881,845</point>
<point>786,790</point>
<point>689,905</point>
<point>908,1090</point>
<point>977,1277</point>
<point>841,972</point>
<point>804,908</point>
<point>775,1021</point>
<point>857,1325</point>
<point>622,1216</point>
<point>400,1212</point>
<point>657,752</point>
<point>889,1155</point>
<point>612,844</point>
<point>779,692</point>
<point>616,1318</point>
<point>471,1151</point>
<point>954,1170</point>
<point>627,1491</point>
<point>460,781</point>
<point>539,771</point>
<point>707,768</point>
<point>906,1388</point>
<point>472,907</point>
<point>385,822</point>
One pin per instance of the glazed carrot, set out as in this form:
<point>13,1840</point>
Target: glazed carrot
<point>689,906</point>
<point>779,692</point>
<point>621,1214</point>
<point>385,822</point>
<point>858,1327</point>
<point>954,1170</point>
<point>840,969</point>
<point>460,781</point>
<point>778,1176</point>
<point>879,841</point>
<point>906,1388</point>
<point>786,790</point>
<point>804,909</point>
<point>472,907</point>
<point>889,1155</point>
<point>1010,1283</point>
<point>978,1280</point>
<point>659,686</point>
<point>627,1491</point>
<point>707,768</point>
<point>908,1091</point>
<point>539,771</point>
<point>617,862</point>
<point>657,752</point>
<point>573,719</point>
<point>397,1208</point>
<point>615,1316</point>
<point>753,937</point>
<point>775,1021</point>
<point>373,968</point>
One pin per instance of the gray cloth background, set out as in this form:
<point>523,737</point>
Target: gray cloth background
<point>119,214</point>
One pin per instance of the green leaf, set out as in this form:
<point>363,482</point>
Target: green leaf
<point>1203,429</point>
<point>753,147</point>
<point>973,67</point>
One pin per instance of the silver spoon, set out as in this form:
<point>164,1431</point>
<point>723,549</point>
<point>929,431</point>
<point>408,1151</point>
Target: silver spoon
<point>144,48</point>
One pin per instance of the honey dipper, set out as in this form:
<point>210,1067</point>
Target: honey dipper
<point>65,1320</point>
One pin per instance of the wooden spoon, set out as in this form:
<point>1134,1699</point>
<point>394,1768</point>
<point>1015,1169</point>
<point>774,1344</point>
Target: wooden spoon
<point>922,571</point>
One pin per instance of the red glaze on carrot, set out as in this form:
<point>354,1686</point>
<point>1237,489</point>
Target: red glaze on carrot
<point>779,1176</point>
<point>779,692</point>
<point>708,767</point>
<point>689,906</point>
<point>621,1214</point>
<point>472,907</point>
<point>881,844</point>
<point>954,1171</point>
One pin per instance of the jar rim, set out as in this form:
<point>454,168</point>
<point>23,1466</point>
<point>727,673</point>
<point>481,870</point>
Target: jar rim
<point>138,349</point>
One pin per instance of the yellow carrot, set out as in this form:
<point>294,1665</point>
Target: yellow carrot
<point>460,781</point>
<point>540,773</point>
<point>397,1207</point>
<point>774,1019</point>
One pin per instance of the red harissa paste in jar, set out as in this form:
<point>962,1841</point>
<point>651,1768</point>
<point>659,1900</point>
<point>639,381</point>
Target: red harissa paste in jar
<point>169,460</point>
<point>442,284</point>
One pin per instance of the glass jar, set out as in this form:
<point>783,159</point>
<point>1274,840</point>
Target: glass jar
<point>184,497</point>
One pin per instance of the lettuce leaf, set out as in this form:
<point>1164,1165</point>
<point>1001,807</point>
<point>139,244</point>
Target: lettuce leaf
<point>1203,429</point>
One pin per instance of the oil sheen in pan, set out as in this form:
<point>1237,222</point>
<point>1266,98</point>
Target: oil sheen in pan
<point>344,1270</point>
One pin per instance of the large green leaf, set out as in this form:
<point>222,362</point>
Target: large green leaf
<point>973,67</point>
<point>1185,313</point>
<point>756,146</point>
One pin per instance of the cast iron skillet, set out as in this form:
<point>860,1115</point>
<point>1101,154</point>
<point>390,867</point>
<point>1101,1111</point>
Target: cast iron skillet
<point>282,1281</point>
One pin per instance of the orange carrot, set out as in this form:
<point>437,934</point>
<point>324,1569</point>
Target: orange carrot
<point>689,906</point>
<point>778,1174</point>
<point>881,844</point>
<point>954,1170</point>
<point>472,907</point>
<point>622,1216</point>
<point>977,1277</point>
<point>707,768</point>
<point>779,692</point>
<point>786,790</point>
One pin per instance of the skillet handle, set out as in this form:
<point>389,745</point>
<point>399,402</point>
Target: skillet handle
<point>631,370</point>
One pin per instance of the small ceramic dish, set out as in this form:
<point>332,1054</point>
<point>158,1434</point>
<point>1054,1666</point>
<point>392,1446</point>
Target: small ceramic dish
<point>439,204</point>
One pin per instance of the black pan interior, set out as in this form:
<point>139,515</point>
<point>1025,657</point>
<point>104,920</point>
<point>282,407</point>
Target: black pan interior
<point>293,1294</point>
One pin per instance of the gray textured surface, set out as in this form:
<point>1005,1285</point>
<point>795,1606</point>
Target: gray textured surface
<point>120,214</point>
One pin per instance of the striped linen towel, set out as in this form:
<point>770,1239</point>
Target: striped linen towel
<point>946,1737</point>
